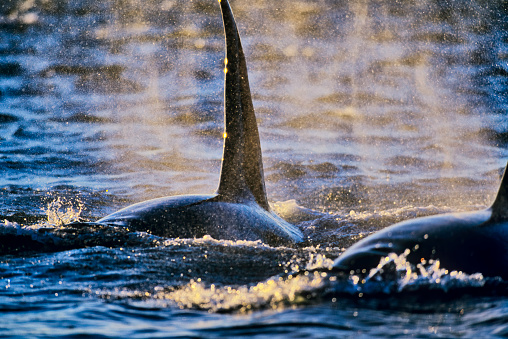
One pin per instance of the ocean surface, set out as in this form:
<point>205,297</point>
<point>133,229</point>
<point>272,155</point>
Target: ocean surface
<point>370,112</point>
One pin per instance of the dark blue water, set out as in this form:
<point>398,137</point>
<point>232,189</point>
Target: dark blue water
<point>369,112</point>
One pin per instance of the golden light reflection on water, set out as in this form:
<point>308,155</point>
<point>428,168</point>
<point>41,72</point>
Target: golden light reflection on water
<point>272,293</point>
<point>295,289</point>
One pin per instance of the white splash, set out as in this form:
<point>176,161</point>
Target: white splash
<point>395,274</point>
<point>61,212</point>
<point>208,240</point>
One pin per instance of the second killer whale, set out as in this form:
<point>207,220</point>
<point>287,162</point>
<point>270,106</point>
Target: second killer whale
<point>469,242</point>
<point>239,209</point>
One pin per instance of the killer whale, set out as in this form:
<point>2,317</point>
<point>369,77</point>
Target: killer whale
<point>471,242</point>
<point>239,209</point>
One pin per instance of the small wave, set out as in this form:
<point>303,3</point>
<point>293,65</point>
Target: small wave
<point>39,238</point>
<point>208,240</point>
<point>393,277</point>
<point>394,274</point>
<point>275,293</point>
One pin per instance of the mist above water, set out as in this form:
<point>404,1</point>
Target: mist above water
<point>377,92</point>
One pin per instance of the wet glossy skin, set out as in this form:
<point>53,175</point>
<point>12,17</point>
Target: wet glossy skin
<point>468,242</point>
<point>194,216</point>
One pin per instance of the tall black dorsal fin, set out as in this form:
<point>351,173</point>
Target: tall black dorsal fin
<point>500,205</point>
<point>242,164</point>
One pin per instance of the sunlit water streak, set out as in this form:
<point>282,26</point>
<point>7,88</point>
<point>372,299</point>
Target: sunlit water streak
<point>370,113</point>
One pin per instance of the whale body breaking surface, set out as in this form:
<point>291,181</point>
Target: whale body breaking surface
<point>239,210</point>
<point>469,242</point>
